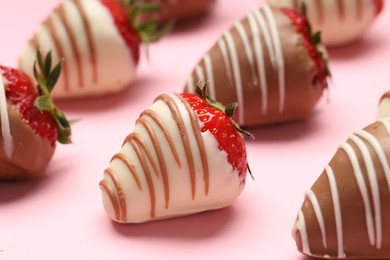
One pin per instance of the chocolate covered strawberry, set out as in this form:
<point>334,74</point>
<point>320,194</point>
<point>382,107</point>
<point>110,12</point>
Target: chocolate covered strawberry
<point>340,21</point>
<point>346,213</point>
<point>99,41</point>
<point>31,123</point>
<point>270,62</point>
<point>185,155</point>
<point>384,105</point>
<point>181,11</point>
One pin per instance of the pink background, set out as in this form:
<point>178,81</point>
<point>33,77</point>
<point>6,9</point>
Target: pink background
<point>60,216</point>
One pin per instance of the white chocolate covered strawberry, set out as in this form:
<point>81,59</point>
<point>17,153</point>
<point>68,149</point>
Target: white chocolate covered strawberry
<point>185,155</point>
<point>340,21</point>
<point>99,41</point>
<point>384,105</point>
<point>270,63</point>
<point>346,213</point>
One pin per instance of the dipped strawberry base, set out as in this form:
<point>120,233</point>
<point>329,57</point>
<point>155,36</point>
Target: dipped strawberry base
<point>173,164</point>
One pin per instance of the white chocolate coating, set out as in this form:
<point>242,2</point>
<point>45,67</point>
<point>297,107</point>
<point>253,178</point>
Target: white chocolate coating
<point>384,106</point>
<point>167,167</point>
<point>96,58</point>
<point>340,21</point>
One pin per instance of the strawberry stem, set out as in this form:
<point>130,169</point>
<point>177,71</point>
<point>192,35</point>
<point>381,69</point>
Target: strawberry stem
<point>149,30</point>
<point>47,78</point>
<point>201,90</point>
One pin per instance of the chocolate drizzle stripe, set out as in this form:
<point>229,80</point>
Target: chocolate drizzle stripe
<point>120,192</point>
<point>184,137</point>
<point>247,48</point>
<point>278,54</point>
<point>320,11</point>
<point>199,73</point>
<point>379,151</point>
<point>72,38</point>
<point>301,226</point>
<point>341,9</point>
<point>190,87</point>
<point>148,177</point>
<point>320,218</point>
<point>199,140</point>
<point>125,160</point>
<point>210,75</point>
<point>105,186</point>
<point>362,188</point>
<point>260,61</point>
<point>232,49</point>
<point>90,43</point>
<point>374,187</point>
<point>150,113</point>
<point>58,46</point>
<point>225,56</point>
<point>140,142</point>
<point>337,211</point>
<point>385,96</point>
<point>160,157</point>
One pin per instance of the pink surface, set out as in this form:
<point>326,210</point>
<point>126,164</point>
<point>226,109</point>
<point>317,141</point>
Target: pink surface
<point>60,216</point>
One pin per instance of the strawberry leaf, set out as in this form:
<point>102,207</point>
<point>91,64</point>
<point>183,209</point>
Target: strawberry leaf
<point>53,76</point>
<point>43,103</point>
<point>47,78</point>
<point>201,90</point>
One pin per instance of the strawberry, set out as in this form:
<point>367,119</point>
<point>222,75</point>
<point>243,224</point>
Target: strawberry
<point>185,155</point>
<point>35,123</point>
<point>345,214</point>
<point>379,6</point>
<point>311,42</point>
<point>99,41</point>
<point>217,120</point>
<point>340,21</point>
<point>269,63</point>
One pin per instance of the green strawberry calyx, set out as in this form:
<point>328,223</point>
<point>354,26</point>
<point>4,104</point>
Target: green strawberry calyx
<point>47,77</point>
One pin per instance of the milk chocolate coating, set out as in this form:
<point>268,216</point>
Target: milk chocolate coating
<point>31,153</point>
<point>179,10</point>
<point>346,213</point>
<point>340,21</point>
<point>261,64</point>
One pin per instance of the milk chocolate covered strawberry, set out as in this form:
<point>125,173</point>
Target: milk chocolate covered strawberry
<point>270,62</point>
<point>340,21</point>
<point>30,122</point>
<point>346,213</point>
<point>179,11</point>
<point>99,41</point>
<point>185,155</point>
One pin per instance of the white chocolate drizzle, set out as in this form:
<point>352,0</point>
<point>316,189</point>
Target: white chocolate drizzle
<point>8,145</point>
<point>361,148</point>
<point>301,226</point>
<point>337,211</point>
<point>320,218</point>
<point>362,187</point>
<point>261,36</point>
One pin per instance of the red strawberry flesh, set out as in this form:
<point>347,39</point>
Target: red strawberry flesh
<point>21,93</point>
<point>302,26</point>
<point>220,125</point>
<point>124,26</point>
